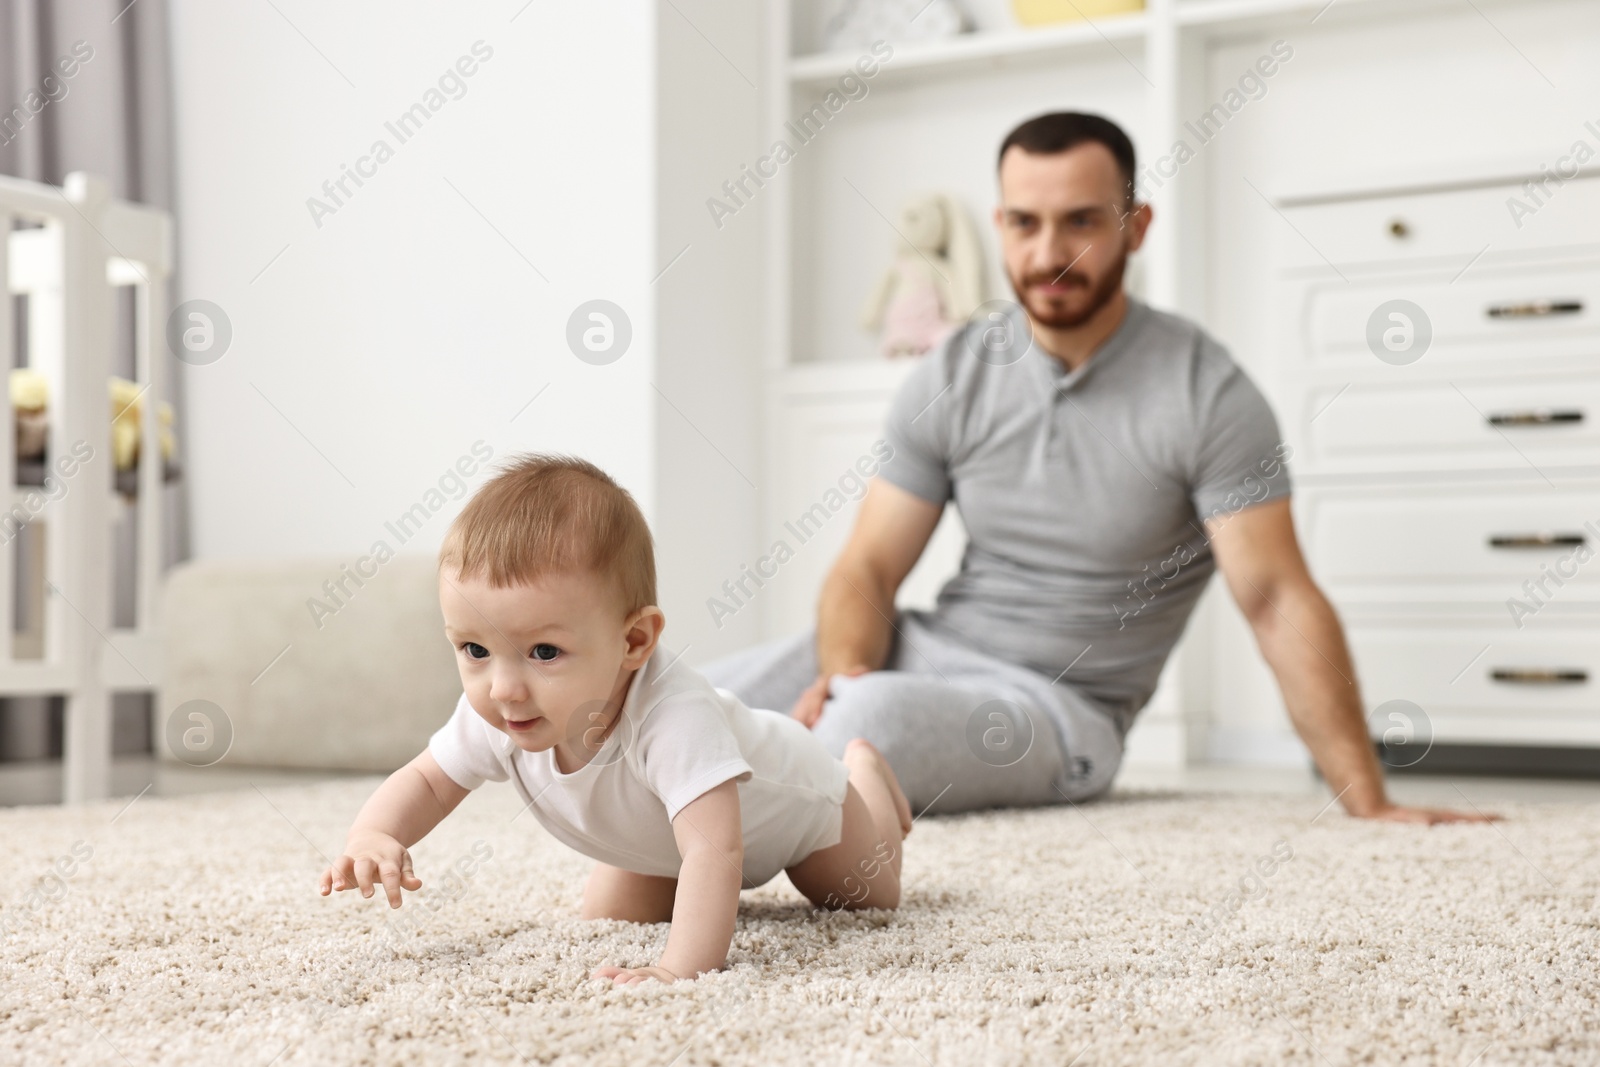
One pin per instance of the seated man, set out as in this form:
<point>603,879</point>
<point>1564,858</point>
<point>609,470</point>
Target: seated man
<point>1106,457</point>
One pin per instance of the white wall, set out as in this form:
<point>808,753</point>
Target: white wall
<point>709,301</point>
<point>375,350</point>
<point>1443,93</point>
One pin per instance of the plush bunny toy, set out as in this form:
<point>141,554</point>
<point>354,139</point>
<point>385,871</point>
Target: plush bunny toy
<point>935,282</point>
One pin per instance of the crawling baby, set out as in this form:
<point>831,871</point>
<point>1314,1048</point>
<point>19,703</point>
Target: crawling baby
<point>684,795</point>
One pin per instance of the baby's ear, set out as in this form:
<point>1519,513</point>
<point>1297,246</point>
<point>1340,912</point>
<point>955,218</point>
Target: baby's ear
<point>644,628</point>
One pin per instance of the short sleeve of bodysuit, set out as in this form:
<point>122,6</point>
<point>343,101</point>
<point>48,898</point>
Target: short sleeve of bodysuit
<point>686,748</point>
<point>1239,457</point>
<point>463,749</point>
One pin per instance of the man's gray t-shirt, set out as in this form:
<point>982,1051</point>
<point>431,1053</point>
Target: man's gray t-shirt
<point>1084,494</point>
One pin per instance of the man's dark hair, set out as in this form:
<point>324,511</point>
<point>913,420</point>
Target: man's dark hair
<point>1058,131</point>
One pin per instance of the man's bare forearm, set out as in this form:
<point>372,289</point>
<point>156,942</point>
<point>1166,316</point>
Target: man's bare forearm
<point>1300,636</point>
<point>853,621</point>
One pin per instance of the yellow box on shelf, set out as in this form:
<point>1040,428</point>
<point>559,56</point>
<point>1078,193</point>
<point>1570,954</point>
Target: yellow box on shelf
<point>1046,12</point>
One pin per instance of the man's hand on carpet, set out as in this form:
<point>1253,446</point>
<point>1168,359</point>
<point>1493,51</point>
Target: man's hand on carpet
<point>1425,816</point>
<point>808,709</point>
<point>371,859</point>
<point>633,975</point>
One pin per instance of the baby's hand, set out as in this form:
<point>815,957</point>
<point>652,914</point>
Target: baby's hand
<point>369,858</point>
<point>634,975</point>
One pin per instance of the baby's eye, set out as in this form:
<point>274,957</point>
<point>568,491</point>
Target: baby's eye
<point>544,653</point>
<point>475,650</point>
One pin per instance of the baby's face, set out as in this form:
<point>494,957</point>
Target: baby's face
<point>545,663</point>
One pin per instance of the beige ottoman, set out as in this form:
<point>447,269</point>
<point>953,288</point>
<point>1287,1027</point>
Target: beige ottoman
<point>360,688</point>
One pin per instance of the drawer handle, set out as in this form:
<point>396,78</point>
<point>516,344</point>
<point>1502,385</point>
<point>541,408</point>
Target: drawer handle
<point>1534,417</point>
<point>1539,676</point>
<point>1534,309</point>
<point>1537,540</point>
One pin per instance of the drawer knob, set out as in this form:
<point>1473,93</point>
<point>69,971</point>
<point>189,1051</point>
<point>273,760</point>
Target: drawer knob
<point>1537,540</point>
<point>1535,309</point>
<point>1535,417</point>
<point>1398,229</point>
<point>1539,676</point>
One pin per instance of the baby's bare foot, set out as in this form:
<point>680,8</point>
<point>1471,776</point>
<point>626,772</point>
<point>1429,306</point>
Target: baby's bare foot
<point>861,755</point>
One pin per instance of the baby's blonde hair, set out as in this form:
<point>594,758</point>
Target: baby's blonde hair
<point>545,512</point>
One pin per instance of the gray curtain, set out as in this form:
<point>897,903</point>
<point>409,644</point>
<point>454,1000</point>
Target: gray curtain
<point>112,117</point>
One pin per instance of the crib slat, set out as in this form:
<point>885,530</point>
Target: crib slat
<point>150,315</point>
<point>80,524</point>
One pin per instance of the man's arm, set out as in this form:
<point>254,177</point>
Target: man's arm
<point>1300,636</point>
<point>855,609</point>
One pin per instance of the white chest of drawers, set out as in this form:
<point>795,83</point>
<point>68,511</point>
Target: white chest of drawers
<point>1438,378</point>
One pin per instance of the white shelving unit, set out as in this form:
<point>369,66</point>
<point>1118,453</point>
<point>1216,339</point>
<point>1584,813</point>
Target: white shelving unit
<point>1160,51</point>
<point>933,118</point>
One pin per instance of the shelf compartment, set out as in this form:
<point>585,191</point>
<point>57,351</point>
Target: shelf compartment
<point>975,51</point>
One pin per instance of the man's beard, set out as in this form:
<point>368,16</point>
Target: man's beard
<point>1054,315</point>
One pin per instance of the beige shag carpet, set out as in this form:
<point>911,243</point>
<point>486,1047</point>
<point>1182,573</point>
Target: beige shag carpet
<point>1145,929</point>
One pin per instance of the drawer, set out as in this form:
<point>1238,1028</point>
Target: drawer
<point>1452,224</point>
<point>1540,685</point>
<point>1453,544</point>
<point>1484,424</point>
<point>1490,316</point>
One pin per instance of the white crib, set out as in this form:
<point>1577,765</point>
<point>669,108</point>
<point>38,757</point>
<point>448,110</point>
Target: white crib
<point>83,246</point>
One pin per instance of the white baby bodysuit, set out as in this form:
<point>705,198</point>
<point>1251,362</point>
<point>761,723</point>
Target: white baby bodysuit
<point>679,736</point>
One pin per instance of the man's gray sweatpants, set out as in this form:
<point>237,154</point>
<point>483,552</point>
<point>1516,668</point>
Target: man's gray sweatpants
<point>957,725</point>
